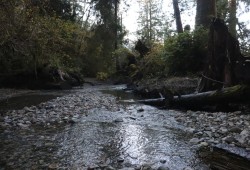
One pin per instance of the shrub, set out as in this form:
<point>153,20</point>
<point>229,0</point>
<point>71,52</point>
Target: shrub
<point>185,52</point>
<point>153,63</point>
<point>102,76</point>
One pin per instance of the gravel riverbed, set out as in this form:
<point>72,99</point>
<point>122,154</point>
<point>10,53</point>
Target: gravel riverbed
<point>231,128</point>
<point>65,109</point>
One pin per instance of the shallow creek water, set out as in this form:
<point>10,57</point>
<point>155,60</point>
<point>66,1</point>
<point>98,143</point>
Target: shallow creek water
<point>135,135</point>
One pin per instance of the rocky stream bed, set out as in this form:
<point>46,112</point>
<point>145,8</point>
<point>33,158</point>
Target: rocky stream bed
<point>97,128</point>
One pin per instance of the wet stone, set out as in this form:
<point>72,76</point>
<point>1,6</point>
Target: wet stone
<point>146,167</point>
<point>163,161</point>
<point>235,130</point>
<point>188,168</point>
<point>109,168</point>
<point>53,166</point>
<point>118,120</point>
<point>194,140</point>
<point>230,139</point>
<point>120,160</point>
<point>163,167</point>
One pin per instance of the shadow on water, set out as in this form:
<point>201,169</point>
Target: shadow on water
<point>29,99</point>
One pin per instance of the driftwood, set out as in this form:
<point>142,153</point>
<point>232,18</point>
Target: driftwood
<point>233,94</point>
<point>221,158</point>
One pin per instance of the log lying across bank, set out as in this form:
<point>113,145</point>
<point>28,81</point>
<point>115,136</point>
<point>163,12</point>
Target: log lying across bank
<point>238,93</point>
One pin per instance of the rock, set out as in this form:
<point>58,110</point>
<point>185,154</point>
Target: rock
<point>163,167</point>
<point>235,130</point>
<point>23,126</point>
<point>163,161</point>
<point>203,144</point>
<point>92,167</point>
<point>103,166</point>
<point>21,112</point>
<point>246,123</point>
<point>223,130</point>
<point>49,144</point>
<point>229,139</point>
<point>245,132</point>
<point>118,120</point>
<point>73,120</point>
<point>188,168</point>
<point>28,109</point>
<point>109,168</point>
<point>53,166</point>
<point>209,134</point>
<point>194,141</point>
<point>41,161</point>
<point>140,110</point>
<point>120,159</point>
<point>137,167</point>
<point>190,130</point>
<point>146,167</point>
<point>198,134</point>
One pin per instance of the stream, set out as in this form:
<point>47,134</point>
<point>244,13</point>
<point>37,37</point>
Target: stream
<point>135,136</point>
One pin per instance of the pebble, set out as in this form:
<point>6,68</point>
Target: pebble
<point>214,128</point>
<point>163,167</point>
<point>203,144</point>
<point>194,140</point>
<point>118,120</point>
<point>120,159</point>
<point>188,168</point>
<point>163,161</point>
<point>53,166</point>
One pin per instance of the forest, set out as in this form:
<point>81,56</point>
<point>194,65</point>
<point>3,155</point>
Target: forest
<point>68,39</point>
<point>79,90</point>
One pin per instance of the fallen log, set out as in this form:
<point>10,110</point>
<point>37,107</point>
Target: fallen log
<point>238,93</point>
<point>222,157</point>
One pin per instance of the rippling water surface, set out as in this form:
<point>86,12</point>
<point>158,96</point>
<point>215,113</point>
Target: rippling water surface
<point>134,135</point>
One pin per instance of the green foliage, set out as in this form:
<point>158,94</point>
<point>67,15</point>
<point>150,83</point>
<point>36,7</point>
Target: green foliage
<point>30,40</point>
<point>102,76</point>
<point>185,52</point>
<point>153,64</point>
<point>124,57</point>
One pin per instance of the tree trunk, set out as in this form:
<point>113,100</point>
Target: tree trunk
<point>116,23</point>
<point>150,23</point>
<point>223,51</point>
<point>177,16</point>
<point>205,10</point>
<point>232,17</point>
<point>116,37</point>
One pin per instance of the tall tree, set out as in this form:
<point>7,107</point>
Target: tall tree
<point>107,29</point>
<point>151,27</point>
<point>232,17</point>
<point>177,16</point>
<point>205,10</point>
